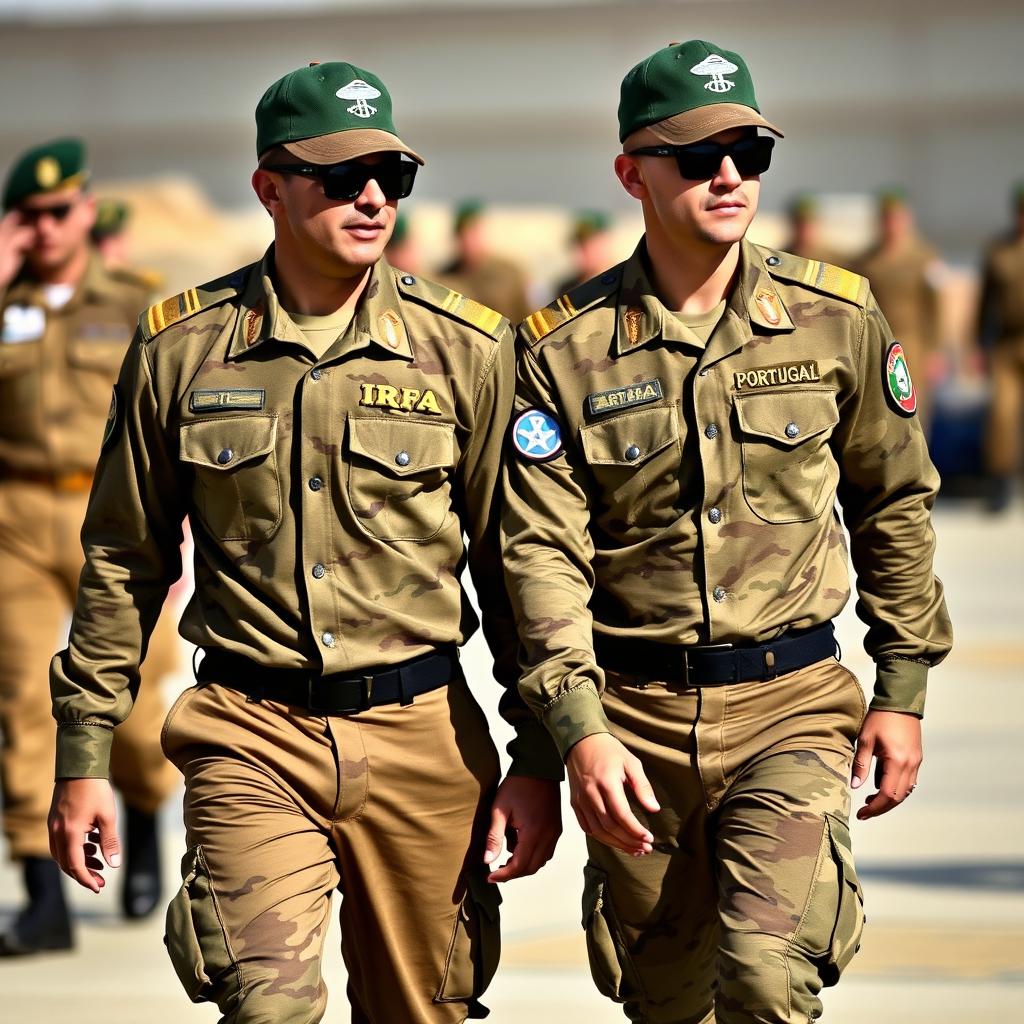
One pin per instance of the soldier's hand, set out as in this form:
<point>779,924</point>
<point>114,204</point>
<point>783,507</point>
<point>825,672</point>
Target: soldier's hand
<point>83,824</point>
<point>529,812</point>
<point>894,740</point>
<point>15,238</point>
<point>600,768</point>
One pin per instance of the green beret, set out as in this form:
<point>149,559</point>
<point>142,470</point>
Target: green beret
<point>589,223</point>
<point>466,212</point>
<point>111,218</point>
<point>47,168</point>
<point>687,91</point>
<point>328,113</point>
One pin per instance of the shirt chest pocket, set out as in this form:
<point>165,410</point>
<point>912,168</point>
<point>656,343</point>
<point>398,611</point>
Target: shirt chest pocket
<point>237,489</point>
<point>399,476</point>
<point>635,459</point>
<point>789,474</point>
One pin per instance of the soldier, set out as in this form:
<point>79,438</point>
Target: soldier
<point>591,248</point>
<point>805,231</point>
<point>1001,335</point>
<point>67,321</point>
<point>684,425</point>
<point>402,252</point>
<point>332,428</point>
<point>905,274</point>
<point>477,272</point>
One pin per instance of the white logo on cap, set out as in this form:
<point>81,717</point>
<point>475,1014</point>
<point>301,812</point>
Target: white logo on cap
<point>716,67</point>
<point>359,91</point>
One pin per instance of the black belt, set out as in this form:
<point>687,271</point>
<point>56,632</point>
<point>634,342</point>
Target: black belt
<point>335,694</point>
<point>716,665</point>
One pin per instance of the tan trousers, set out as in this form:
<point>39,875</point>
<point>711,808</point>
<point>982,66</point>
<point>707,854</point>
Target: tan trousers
<point>390,806</point>
<point>1006,413</point>
<point>40,561</point>
<point>750,902</point>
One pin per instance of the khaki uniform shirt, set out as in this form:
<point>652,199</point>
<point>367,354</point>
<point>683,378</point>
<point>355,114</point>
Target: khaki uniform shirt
<point>328,498</point>
<point>1001,313</point>
<point>57,367</point>
<point>694,500</point>
<point>904,286</point>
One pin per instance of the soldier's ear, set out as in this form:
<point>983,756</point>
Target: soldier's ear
<point>266,187</point>
<point>627,170</point>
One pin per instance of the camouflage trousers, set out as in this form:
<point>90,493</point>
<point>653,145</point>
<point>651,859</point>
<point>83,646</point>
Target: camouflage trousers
<point>750,903</point>
<point>389,806</point>
<point>40,561</point>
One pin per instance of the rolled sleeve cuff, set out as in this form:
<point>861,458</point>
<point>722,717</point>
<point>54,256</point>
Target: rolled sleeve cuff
<point>534,754</point>
<point>900,685</point>
<point>83,751</point>
<point>573,716</point>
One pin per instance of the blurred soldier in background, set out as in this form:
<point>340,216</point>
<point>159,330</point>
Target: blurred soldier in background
<point>333,429</point>
<point>684,425</point>
<point>111,238</point>
<point>478,273</point>
<point>591,248</point>
<point>906,275</point>
<point>805,231</point>
<point>1001,336</point>
<point>402,252</point>
<point>67,321</point>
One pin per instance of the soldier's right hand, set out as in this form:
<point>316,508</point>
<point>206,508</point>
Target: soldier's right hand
<point>599,769</point>
<point>83,823</point>
<point>15,238</point>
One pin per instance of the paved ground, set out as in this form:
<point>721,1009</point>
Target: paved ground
<point>945,874</point>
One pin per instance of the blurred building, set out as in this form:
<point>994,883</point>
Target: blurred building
<point>514,100</point>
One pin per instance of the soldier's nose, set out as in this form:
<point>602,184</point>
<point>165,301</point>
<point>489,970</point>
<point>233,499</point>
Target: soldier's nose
<point>727,173</point>
<point>373,195</point>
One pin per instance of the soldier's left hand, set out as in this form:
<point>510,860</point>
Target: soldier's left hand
<point>532,810</point>
<point>893,738</point>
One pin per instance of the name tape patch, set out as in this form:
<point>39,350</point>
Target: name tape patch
<point>228,398</point>
<point>622,398</point>
<point>389,396</point>
<point>781,373</point>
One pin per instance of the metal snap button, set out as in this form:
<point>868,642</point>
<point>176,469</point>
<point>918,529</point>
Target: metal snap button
<point>315,373</point>
<point>328,639</point>
<point>711,431</point>
<point>792,430</point>
<point>718,593</point>
<point>403,459</point>
<point>632,453</point>
<point>319,571</point>
<point>408,279</point>
<point>715,515</point>
<point>315,483</point>
<point>225,456</point>
<point>773,261</point>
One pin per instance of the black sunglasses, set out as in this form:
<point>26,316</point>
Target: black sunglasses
<point>34,214</point>
<point>347,180</point>
<point>702,160</point>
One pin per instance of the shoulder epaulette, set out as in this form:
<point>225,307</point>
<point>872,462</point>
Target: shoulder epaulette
<point>822,277</point>
<point>123,275</point>
<point>455,304</point>
<point>161,315</point>
<point>570,305</point>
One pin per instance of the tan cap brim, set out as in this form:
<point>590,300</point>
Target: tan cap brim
<point>693,125</point>
<point>349,145</point>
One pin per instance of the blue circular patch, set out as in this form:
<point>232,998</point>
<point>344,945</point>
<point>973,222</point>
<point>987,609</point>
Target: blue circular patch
<point>536,435</point>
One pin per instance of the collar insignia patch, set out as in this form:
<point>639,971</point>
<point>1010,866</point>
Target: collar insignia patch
<point>768,303</point>
<point>600,402</point>
<point>634,315</point>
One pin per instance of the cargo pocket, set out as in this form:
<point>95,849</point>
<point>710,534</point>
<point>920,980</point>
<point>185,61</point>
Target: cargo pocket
<point>831,928</point>
<point>610,963</point>
<point>237,490</point>
<point>475,947</point>
<point>195,937</point>
<point>789,474</point>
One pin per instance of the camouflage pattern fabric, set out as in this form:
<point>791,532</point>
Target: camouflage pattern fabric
<point>694,498</point>
<point>328,499</point>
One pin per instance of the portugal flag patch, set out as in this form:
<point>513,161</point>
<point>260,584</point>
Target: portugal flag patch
<point>899,387</point>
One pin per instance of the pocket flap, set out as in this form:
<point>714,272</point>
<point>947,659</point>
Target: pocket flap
<point>403,447</point>
<point>630,439</point>
<point>227,441</point>
<point>787,417</point>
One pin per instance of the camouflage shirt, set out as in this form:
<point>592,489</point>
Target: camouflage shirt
<point>693,498</point>
<point>57,366</point>
<point>328,499</point>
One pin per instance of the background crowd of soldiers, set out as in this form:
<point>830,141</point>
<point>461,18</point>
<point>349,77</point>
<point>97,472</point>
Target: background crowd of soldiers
<point>906,274</point>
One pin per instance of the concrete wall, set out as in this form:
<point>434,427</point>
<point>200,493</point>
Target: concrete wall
<point>516,104</point>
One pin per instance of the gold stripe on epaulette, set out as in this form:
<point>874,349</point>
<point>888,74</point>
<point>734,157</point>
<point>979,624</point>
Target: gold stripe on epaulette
<point>841,282</point>
<point>564,303</point>
<point>451,300</point>
<point>480,315</point>
<point>165,313</point>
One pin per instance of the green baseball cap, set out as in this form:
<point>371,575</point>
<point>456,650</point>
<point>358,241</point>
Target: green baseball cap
<point>50,167</point>
<point>589,223</point>
<point>687,91</point>
<point>328,113</point>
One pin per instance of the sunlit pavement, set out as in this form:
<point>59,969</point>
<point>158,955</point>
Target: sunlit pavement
<point>944,874</point>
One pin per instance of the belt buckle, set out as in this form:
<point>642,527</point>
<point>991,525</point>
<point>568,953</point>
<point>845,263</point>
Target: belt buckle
<point>315,706</point>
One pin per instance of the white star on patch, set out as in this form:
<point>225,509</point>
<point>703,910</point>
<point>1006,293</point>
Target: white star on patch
<point>536,435</point>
